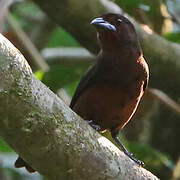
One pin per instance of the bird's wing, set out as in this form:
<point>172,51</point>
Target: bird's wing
<point>87,80</point>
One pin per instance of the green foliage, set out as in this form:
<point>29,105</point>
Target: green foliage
<point>174,37</point>
<point>28,9</point>
<point>71,87</point>
<point>63,76</point>
<point>130,5</point>
<point>61,38</point>
<point>150,156</point>
<point>4,148</point>
<point>155,161</point>
<point>39,74</point>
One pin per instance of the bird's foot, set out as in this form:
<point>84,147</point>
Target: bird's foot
<point>94,126</point>
<point>130,155</point>
<point>137,161</point>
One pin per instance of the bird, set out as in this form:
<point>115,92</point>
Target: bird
<point>109,93</point>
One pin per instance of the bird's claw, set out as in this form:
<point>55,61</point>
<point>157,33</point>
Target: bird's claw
<point>137,161</point>
<point>94,126</point>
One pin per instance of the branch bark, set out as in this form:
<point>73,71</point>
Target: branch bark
<point>48,135</point>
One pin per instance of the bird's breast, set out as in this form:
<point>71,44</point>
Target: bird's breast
<point>109,105</point>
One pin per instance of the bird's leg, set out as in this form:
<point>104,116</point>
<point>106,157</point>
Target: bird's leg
<point>130,155</point>
<point>93,125</point>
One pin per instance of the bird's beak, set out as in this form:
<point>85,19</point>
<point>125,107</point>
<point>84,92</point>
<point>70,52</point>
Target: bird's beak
<point>100,23</point>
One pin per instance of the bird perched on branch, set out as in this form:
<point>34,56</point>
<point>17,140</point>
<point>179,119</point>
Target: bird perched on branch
<point>109,93</point>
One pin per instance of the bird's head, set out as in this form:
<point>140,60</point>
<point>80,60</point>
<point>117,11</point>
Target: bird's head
<point>115,32</point>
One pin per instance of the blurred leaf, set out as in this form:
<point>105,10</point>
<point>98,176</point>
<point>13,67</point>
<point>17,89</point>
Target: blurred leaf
<point>62,38</point>
<point>64,76</point>
<point>71,87</point>
<point>150,155</point>
<point>158,163</point>
<point>128,4</point>
<point>4,147</point>
<point>39,74</point>
<point>174,37</point>
<point>28,8</point>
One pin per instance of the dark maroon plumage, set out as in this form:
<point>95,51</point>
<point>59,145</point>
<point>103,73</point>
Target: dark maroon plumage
<point>109,93</point>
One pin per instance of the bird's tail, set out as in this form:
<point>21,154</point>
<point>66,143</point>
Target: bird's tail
<point>21,163</point>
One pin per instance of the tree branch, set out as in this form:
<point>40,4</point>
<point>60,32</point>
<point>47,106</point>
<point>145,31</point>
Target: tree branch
<point>164,99</point>
<point>68,55</point>
<point>48,135</point>
<point>75,17</point>
<point>27,44</point>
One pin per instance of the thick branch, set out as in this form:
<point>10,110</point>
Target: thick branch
<point>47,134</point>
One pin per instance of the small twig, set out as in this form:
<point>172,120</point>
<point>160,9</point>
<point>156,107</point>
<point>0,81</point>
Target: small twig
<point>68,55</point>
<point>165,99</point>
<point>4,4</point>
<point>64,96</point>
<point>173,17</point>
<point>27,44</point>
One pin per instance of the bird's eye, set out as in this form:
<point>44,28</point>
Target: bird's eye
<point>119,20</point>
